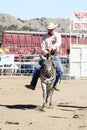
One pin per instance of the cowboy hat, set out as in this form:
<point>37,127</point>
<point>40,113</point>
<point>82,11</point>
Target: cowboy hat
<point>51,26</point>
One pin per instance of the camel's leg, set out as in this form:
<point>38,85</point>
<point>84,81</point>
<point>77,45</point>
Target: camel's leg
<point>44,96</point>
<point>51,95</point>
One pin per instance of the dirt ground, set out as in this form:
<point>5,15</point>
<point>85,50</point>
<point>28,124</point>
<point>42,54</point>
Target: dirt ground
<point>20,107</point>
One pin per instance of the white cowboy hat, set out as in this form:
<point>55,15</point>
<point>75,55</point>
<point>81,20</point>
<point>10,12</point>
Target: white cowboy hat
<point>51,26</point>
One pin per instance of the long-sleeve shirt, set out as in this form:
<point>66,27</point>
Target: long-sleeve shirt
<point>53,42</point>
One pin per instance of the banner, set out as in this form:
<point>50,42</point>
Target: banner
<point>80,20</point>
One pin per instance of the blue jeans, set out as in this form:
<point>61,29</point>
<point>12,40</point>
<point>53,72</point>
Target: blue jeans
<point>59,71</point>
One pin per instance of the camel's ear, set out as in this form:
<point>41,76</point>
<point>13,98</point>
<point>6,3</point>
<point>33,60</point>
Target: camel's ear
<point>42,57</point>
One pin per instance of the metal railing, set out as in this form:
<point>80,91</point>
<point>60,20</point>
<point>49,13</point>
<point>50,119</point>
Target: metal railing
<point>11,64</point>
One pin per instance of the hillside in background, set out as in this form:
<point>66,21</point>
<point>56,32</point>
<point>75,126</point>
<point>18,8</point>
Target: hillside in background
<point>38,24</point>
<point>8,20</point>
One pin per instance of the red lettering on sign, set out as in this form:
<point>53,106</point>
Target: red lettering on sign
<point>80,25</point>
<point>81,14</point>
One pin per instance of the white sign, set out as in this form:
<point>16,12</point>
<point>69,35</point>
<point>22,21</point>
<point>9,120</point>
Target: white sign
<point>6,61</point>
<point>80,20</point>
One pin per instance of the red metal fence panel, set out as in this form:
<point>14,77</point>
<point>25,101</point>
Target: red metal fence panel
<point>29,42</point>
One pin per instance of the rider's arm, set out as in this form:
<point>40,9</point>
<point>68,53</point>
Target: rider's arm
<point>57,42</point>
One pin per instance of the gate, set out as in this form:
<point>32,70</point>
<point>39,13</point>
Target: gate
<point>78,60</point>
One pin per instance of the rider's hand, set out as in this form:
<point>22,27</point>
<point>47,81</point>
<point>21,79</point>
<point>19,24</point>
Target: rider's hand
<point>49,49</point>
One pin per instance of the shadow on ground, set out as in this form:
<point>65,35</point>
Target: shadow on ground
<point>20,106</point>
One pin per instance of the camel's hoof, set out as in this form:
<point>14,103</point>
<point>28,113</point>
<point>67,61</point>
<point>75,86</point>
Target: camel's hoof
<point>43,109</point>
<point>51,107</point>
